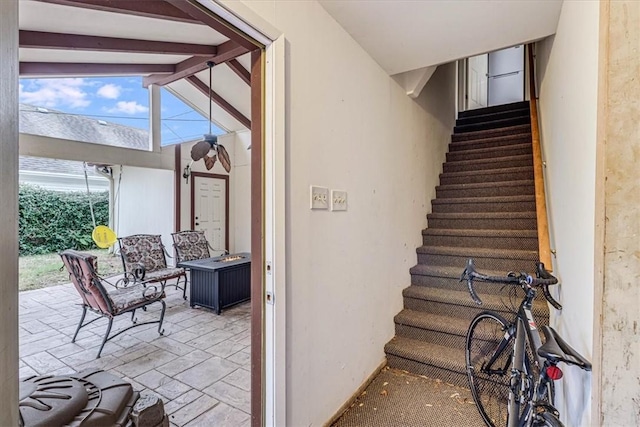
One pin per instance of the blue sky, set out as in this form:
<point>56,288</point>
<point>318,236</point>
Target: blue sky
<point>120,100</point>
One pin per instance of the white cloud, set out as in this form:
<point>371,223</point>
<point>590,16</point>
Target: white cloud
<point>128,107</point>
<point>52,93</point>
<point>109,91</point>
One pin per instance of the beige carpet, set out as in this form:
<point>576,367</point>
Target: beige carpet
<point>399,399</point>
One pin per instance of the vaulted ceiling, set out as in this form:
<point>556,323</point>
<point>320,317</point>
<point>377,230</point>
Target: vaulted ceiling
<point>169,42</point>
<point>404,35</point>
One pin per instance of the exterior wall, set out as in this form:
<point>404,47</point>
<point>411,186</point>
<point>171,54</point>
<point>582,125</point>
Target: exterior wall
<point>63,182</point>
<point>146,203</point>
<point>567,75</point>
<point>239,189</point>
<point>349,126</point>
<point>9,212</point>
<point>616,388</point>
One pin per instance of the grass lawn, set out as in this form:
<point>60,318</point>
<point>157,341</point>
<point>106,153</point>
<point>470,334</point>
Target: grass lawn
<point>40,271</point>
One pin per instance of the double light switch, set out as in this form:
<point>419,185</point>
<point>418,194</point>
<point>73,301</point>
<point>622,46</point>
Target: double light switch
<point>320,199</point>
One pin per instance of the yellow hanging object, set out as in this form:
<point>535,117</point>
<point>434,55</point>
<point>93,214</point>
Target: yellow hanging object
<point>104,236</point>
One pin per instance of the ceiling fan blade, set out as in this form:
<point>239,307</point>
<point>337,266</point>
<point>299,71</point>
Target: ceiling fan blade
<point>199,150</point>
<point>224,158</point>
<point>209,162</point>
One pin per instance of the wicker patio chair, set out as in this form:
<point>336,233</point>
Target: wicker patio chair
<point>144,256</point>
<point>108,299</point>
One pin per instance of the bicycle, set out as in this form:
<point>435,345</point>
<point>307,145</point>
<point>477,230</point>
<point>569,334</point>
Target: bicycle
<point>504,358</point>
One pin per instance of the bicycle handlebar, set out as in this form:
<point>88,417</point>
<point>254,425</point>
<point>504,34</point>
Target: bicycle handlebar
<point>543,280</point>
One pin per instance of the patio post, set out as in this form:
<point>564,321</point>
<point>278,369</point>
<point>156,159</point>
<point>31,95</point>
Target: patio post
<point>9,212</point>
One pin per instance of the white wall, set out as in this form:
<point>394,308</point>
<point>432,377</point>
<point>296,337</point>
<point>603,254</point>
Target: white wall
<point>568,82</point>
<point>146,203</point>
<point>239,188</point>
<point>350,127</point>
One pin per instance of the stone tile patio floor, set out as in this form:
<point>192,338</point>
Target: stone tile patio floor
<point>200,367</point>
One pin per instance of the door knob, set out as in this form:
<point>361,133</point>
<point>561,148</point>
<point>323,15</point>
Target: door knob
<point>197,223</point>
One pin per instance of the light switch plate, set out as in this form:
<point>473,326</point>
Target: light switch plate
<point>338,200</point>
<point>319,197</point>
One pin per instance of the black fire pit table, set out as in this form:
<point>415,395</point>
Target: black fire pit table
<point>219,282</point>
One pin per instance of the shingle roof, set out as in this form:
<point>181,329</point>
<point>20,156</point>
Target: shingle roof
<point>57,124</point>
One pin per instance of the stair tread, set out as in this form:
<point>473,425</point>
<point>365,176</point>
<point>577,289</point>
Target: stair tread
<point>447,271</point>
<point>432,322</point>
<point>483,136</point>
<point>513,183</point>
<point>484,199</point>
<point>498,171</point>
<point>494,108</point>
<point>425,352</point>
<point>515,129</point>
<point>479,252</point>
<point>489,160</point>
<point>488,149</point>
<point>492,116</point>
<point>491,125</point>
<point>483,215</point>
<point>490,302</point>
<point>455,232</point>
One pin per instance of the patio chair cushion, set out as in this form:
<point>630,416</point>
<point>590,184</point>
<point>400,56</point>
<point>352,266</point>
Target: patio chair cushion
<point>143,249</point>
<point>134,296</point>
<point>164,274</point>
<point>83,275</point>
<point>190,245</point>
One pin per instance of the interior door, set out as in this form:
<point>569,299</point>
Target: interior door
<point>477,81</point>
<point>506,76</point>
<point>210,211</point>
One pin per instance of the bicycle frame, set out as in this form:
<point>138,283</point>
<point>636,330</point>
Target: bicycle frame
<point>523,328</point>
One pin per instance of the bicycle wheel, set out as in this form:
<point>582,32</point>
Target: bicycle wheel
<point>489,358</point>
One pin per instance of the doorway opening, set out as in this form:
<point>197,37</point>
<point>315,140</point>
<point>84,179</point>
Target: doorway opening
<point>494,78</point>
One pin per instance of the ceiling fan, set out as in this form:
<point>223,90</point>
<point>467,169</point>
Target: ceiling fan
<point>210,143</point>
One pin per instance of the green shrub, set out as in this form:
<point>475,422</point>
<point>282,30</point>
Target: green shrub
<point>52,221</point>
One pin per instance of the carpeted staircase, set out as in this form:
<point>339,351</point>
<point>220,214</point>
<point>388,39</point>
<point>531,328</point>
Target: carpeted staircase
<point>484,209</point>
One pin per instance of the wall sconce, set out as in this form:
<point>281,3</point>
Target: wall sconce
<point>186,173</point>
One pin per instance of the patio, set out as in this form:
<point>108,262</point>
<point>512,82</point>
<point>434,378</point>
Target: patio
<point>200,367</point>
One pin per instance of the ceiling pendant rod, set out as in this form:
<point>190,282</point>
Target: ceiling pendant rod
<point>210,65</point>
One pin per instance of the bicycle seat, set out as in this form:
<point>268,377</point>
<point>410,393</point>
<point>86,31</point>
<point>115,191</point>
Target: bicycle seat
<point>555,349</point>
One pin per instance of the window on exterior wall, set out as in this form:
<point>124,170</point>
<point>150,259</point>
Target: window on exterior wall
<point>101,110</point>
<point>180,122</point>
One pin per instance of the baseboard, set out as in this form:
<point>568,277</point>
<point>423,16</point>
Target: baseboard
<point>355,395</point>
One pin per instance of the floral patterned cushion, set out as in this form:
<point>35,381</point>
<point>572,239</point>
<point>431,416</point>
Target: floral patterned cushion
<point>142,250</point>
<point>190,245</point>
<point>134,295</point>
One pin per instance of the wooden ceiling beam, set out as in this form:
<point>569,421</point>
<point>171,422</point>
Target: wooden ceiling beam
<point>239,69</point>
<point>230,109</point>
<point>226,52</point>
<point>158,9</point>
<point>44,40</point>
<point>36,69</point>
<point>203,15</point>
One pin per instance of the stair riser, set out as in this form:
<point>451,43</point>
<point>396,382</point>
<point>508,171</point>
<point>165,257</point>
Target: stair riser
<point>483,288</point>
<point>497,190</point>
<point>489,143</point>
<point>484,207</point>
<point>493,133</point>
<point>525,173</point>
<point>451,377</point>
<point>492,125</point>
<point>484,223</point>
<point>436,337</point>
<point>502,151</point>
<point>523,243</point>
<point>484,118</point>
<point>486,164</point>
<point>493,109</point>
<point>499,264</point>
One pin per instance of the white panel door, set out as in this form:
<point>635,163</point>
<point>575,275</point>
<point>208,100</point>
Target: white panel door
<point>210,211</point>
<point>477,82</point>
<point>506,76</point>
